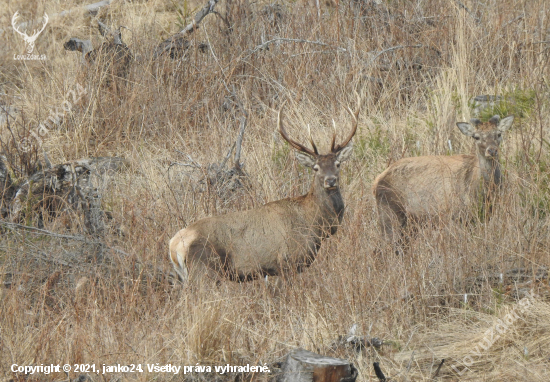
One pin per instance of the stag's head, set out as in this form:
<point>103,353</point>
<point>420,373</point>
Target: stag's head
<point>29,40</point>
<point>327,166</point>
<point>487,135</point>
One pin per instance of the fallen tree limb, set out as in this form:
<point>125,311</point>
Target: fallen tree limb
<point>175,40</point>
<point>378,54</point>
<point>267,43</point>
<point>46,232</point>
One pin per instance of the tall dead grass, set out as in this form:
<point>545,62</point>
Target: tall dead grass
<point>412,97</point>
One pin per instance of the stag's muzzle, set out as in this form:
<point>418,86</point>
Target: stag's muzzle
<point>331,182</point>
<point>491,151</point>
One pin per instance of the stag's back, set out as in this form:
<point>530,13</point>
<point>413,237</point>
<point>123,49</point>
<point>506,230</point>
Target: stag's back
<point>273,238</point>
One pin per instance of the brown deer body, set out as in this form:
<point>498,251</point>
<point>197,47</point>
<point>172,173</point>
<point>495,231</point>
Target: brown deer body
<point>275,238</point>
<point>429,187</point>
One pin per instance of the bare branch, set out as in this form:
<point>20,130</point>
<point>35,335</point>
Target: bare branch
<point>438,368</point>
<point>513,21</point>
<point>379,374</point>
<point>239,143</point>
<point>266,44</point>
<point>172,41</point>
<point>46,232</point>
<point>378,54</point>
<point>462,6</point>
<point>222,165</point>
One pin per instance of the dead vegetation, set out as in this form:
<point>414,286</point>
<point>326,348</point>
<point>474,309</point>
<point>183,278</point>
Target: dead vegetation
<point>71,295</point>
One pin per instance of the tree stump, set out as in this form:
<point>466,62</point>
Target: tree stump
<point>304,366</point>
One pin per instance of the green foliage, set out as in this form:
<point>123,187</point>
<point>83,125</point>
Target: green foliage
<point>375,144</point>
<point>411,144</point>
<point>280,155</point>
<point>183,11</point>
<point>537,202</point>
<point>518,102</point>
<point>499,297</point>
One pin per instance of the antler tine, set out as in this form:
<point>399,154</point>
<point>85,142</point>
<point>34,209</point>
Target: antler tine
<point>44,23</point>
<point>311,140</point>
<point>353,130</point>
<point>285,136</point>
<point>14,22</point>
<point>332,147</point>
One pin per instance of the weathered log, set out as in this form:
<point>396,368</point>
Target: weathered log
<point>113,55</point>
<point>67,186</point>
<point>304,366</point>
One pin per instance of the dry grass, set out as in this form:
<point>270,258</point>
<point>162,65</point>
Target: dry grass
<point>121,316</point>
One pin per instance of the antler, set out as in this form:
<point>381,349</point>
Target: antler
<point>311,140</point>
<point>13,22</point>
<point>333,146</point>
<point>44,23</point>
<point>294,144</point>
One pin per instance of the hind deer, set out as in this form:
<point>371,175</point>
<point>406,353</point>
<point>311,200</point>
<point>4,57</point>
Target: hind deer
<point>275,238</point>
<point>428,187</point>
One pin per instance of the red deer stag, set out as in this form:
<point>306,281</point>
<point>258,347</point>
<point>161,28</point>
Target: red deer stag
<point>277,237</point>
<point>428,187</point>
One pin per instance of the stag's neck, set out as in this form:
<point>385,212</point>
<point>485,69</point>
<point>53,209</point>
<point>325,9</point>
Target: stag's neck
<point>490,171</point>
<point>329,203</point>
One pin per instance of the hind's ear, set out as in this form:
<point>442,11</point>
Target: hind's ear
<point>344,154</point>
<point>466,128</point>
<point>305,160</point>
<point>506,123</point>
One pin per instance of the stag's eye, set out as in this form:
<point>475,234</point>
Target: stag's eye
<point>316,167</point>
<point>476,137</point>
<point>337,164</point>
<point>499,135</point>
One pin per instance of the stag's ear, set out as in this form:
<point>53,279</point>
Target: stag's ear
<point>305,160</point>
<point>344,154</point>
<point>505,123</point>
<point>466,128</point>
<point>495,119</point>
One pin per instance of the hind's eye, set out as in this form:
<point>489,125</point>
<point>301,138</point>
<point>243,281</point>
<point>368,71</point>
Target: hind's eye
<point>499,135</point>
<point>476,137</point>
<point>316,167</point>
<point>337,164</point>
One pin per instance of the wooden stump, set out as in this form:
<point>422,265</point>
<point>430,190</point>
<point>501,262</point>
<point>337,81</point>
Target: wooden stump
<point>304,366</point>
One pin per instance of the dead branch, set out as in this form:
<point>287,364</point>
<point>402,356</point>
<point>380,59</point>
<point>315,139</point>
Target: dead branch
<point>41,231</point>
<point>239,143</point>
<point>438,368</point>
<point>175,40</point>
<point>378,54</point>
<point>379,374</point>
<point>462,6</point>
<point>266,44</point>
<point>208,8</point>
<point>222,165</point>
